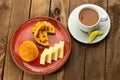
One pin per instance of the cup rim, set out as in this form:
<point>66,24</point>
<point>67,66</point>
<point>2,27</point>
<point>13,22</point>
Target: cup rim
<point>93,8</point>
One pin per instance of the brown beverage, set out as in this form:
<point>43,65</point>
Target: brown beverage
<point>88,17</point>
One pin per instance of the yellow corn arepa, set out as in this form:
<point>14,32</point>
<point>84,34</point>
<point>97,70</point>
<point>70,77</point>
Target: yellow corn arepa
<point>49,27</point>
<point>28,51</point>
<point>35,26</point>
<point>41,31</point>
<point>40,35</point>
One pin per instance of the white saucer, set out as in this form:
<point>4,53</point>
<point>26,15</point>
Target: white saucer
<point>82,36</point>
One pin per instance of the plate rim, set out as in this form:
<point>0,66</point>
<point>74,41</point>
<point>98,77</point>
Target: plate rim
<point>53,69</point>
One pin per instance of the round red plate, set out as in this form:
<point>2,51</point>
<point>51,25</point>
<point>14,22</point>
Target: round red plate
<point>24,32</point>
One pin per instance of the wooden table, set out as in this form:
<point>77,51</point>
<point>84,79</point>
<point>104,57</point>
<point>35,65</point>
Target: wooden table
<point>99,61</point>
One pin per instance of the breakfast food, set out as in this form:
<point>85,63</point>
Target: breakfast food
<point>35,26</point>
<point>40,36</point>
<point>60,47</point>
<point>28,51</point>
<point>53,53</point>
<point>43,57</point>
<point>54,50</point>
<point>49,27</point>
<point>93,35</point>
<point>41,31</point>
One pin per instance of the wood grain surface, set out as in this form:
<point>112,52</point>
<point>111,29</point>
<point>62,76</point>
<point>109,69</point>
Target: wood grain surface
<point>39,8</point>
<point>5,12</point>
<point>113,45</point>
<point>18,16</point>
<point>100,61</point>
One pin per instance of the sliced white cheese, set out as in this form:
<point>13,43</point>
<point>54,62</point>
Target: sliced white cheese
<point>55,53</point>
<point>57,48</point>
<point>49,56</point>
<point>43,57</point>
<point>61,49</point>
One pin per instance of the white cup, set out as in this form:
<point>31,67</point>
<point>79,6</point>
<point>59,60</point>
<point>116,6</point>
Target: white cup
<point>86,28</point>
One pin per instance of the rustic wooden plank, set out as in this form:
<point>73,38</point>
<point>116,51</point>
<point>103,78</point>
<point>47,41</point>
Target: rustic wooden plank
<point>102,3</point>
<point>59,10</point>
<point>31,77</point>
<point>20,13</point>
<point>95,61</point>
<point>38,8</point>
<point>95,54</point>
<point>113,44</point>
<point>74,68</point>
<point>5,10</point>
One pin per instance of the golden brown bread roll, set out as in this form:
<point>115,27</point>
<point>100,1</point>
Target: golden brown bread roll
<point>28,51</point>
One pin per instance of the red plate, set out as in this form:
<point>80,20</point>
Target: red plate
<point>24,32</point>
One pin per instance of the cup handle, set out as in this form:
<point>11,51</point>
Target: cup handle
<point>103,18</point>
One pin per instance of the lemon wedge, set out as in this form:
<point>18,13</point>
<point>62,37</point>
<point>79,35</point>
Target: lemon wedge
<point>93,35</point>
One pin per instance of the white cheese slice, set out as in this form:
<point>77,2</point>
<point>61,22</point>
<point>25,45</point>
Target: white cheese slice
<point>43,57</point>
<point>61,49</point>
<point>55,53</point>
<point>49,56</point>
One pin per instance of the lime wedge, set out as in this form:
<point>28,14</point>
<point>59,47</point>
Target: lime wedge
<point>93,35</point>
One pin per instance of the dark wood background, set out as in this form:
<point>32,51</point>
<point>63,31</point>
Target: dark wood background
<point>99,61</point>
